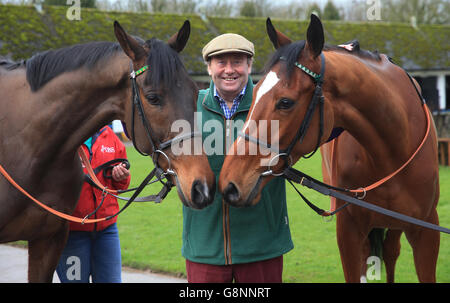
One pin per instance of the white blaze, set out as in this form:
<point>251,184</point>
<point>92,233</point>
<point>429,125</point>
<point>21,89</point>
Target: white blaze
<point>269,82</point>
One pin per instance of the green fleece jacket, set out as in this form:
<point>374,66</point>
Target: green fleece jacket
<point>221,234</point>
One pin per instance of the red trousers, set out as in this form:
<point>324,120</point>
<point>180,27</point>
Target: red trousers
<point>266,271</point>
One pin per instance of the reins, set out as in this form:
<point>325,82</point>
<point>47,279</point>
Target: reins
<point>296,176</point>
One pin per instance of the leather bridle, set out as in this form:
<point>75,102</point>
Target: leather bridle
<point>316,100</point>
<point>157,149</point>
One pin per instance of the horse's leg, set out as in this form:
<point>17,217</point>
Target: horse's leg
<point>425,244</point>
<point>44,253</point>
<point>391,251</point>
<point>350,241</point>
<point>365,255</point>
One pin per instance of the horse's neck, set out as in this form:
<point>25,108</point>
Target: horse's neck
<point>369,109</point>
<point>76,104</point>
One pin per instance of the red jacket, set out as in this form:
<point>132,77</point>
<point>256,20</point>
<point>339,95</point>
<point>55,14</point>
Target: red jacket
<point>106,147</point>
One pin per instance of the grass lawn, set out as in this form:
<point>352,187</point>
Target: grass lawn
<point>150,234</point>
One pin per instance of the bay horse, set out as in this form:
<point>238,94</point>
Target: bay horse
<point>52,102</point>
<point>378,106</point>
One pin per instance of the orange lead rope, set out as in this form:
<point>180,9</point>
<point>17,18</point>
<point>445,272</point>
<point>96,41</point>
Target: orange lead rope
<point>49,209</point>
<point>378,183</point>
<point>53,211</point>
<point>90,171</point>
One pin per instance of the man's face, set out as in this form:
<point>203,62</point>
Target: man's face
<point>229,73</point>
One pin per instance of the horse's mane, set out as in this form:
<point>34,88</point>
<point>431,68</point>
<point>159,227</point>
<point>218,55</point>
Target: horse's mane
<point>164,62</point>
<point>43,67</point>
<point>292,51</point>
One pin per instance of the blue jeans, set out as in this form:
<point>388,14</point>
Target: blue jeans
<point>95,254</point>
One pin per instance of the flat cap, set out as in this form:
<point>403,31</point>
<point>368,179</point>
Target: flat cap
<point>228,43</point>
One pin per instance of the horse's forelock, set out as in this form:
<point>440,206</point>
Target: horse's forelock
<point>165,66</point>
<point>289,53</point>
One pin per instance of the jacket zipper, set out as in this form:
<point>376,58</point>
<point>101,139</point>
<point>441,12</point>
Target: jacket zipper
<point>225,206</point>
<point>226,233</point>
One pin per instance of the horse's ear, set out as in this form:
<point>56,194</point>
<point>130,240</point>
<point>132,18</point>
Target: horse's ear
<point>130,46</point>
<point>278,39</point>
<point>178,40</point>
<point>315,37</point>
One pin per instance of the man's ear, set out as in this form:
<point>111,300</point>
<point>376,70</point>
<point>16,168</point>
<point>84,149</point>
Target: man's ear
<point>208,67</point>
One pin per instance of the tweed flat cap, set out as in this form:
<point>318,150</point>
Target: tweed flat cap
<point>228,43</point>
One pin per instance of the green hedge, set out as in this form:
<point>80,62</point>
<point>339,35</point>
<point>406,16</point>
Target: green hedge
<point>27,32</point>
<point>427,47</point>
<point>24,32</point>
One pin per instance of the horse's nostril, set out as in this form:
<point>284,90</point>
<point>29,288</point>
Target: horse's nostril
<point>231,193</point>
<point>200,194</point>
<point>198,191</point>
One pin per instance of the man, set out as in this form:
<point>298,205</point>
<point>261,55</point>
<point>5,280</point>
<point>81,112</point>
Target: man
<point>222,243</point>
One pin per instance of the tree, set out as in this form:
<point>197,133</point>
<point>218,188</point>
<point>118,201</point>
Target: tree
<point>248,9</point>
<point>421,11</point>
<point>356,10</point>
<point>216,8</point>
<point>84,3</point>
<point>158,6</point>
<point>291,10</point>
<point>313,8</point>
<point>183,6</point>
<point>331,12</point>
<point>255,8</point>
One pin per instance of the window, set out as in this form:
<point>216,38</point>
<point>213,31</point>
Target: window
<point>429,91</point>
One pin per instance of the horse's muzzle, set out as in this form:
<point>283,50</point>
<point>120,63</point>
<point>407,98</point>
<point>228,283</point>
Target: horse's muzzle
<point>232,195</point>
<point>201,195</point>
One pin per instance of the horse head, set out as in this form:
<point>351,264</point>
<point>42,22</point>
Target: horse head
<point>290,97</point>
<point>162,94</point>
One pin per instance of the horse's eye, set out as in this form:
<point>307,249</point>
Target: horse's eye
<point>284,103</point>
<point>153,98</point>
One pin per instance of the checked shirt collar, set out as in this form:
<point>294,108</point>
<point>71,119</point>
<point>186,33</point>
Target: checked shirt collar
<point>223,104</point>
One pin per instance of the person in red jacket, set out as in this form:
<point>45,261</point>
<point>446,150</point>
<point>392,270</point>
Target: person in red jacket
<point>93,250</point>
